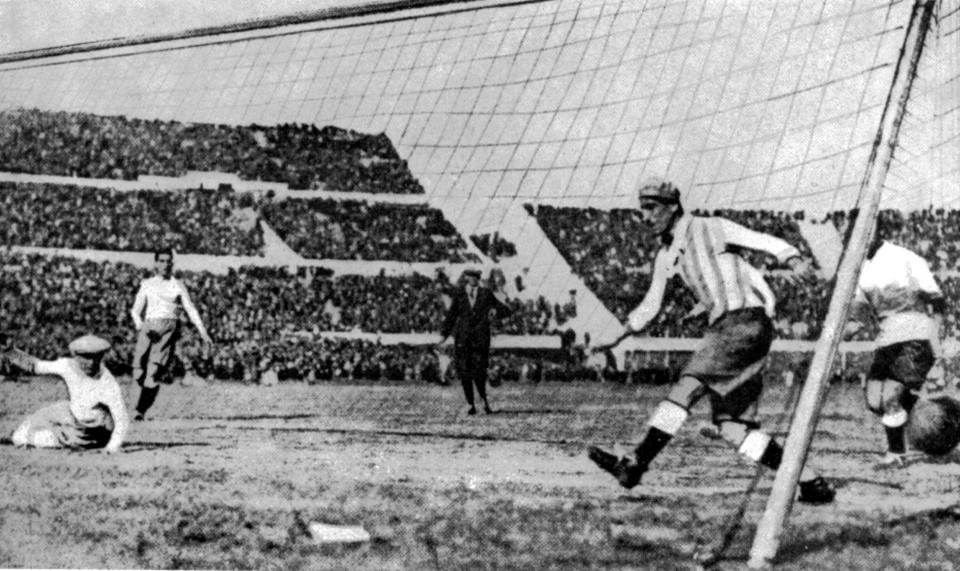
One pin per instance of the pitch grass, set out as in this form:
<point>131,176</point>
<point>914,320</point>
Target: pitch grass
<point>230,477</point>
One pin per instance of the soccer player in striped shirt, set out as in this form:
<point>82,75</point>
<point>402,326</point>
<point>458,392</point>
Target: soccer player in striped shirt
<point>897,287</point>
<point>727,368</point>
<point>156,315</point>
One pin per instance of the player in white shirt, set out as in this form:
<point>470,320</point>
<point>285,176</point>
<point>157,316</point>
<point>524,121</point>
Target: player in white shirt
<point>897,288</point>
<point>156,315</point>
<point>95,416</point>
<point>727,369</point>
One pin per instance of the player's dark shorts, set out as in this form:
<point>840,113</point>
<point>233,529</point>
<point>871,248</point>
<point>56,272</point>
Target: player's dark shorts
<point>155,345</point>
<point>907,362</point>
<point>730,360</point>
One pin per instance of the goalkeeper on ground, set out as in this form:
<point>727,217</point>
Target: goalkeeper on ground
<point>704,253</point>
<point>95,416</point>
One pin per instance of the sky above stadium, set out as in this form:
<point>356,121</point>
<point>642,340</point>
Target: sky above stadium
<point>33,24</point>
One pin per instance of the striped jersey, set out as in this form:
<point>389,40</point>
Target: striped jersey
<point>705,254</point>
<point>895,283</point>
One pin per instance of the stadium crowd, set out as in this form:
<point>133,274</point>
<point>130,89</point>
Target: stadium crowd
<point>223,222</point>
<point>494,245</point>
<point>354,230</point>
<point>252,312</point>
<point>270,318</point>
<point>303,156</point>
<point>206,221</point>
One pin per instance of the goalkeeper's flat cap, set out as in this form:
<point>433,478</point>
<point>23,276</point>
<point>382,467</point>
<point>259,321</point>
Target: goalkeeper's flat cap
<point>659,190</point>
<point>473,272</point>
<point>89,345</point>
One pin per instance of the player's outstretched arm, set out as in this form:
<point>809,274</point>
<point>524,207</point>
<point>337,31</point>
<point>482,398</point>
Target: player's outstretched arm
<point>743,237</point>
<point>604,347</point>
<point>649,308</point>
<point>21,360</point>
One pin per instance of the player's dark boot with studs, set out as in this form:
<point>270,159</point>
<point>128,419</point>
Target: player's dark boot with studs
<point>626,470</point>
<point>817,491</point>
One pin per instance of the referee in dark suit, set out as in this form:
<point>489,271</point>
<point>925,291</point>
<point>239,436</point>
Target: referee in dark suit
<point>468,320</point>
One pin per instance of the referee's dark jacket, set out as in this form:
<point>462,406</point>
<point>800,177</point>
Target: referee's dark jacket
<point>470,327</point>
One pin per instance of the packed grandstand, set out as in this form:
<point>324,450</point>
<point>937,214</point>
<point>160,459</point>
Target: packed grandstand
<point>280,317</point>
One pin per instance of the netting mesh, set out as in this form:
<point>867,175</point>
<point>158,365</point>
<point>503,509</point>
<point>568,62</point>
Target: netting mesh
<point>926,166</point>
<point>743,103</point>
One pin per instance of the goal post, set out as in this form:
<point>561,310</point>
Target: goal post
<point>770,528</point>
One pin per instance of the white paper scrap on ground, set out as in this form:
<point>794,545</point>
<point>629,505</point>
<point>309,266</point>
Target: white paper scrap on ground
<point>325,533</point>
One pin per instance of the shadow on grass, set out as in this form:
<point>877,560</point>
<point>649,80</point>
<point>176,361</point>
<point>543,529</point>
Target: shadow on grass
<point>519,411</point>
<point>843,482</point>
<point>127,447</point>
<point>141,446</point>
<point>243,417</point>
<point>952,457</point>
<point>439,434</point>
<point>805,543</point>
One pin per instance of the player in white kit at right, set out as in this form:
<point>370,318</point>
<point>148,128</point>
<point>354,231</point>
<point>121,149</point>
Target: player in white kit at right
<point>897,287</point>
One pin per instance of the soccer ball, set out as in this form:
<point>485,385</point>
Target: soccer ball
<point>934,426</point>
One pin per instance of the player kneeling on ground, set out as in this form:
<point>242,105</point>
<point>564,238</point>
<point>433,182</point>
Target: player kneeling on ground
<point>703,252</point>
<point>95,416</point>
<point>897,287</point>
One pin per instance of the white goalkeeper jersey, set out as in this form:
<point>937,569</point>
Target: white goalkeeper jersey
<point>87,394</point>
<point>893,282</point>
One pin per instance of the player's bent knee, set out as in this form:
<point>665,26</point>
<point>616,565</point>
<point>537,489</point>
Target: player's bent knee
<point>733,432</point>
<point>24,435</point>
<point>669,417</point>
<point>686,392</point>
<point>895,419</point>
<point>21,435</point>
<point>885,397</point>
<point>44,439</point>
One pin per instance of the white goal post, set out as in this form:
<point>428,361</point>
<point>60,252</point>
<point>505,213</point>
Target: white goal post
<point>770,528</point>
